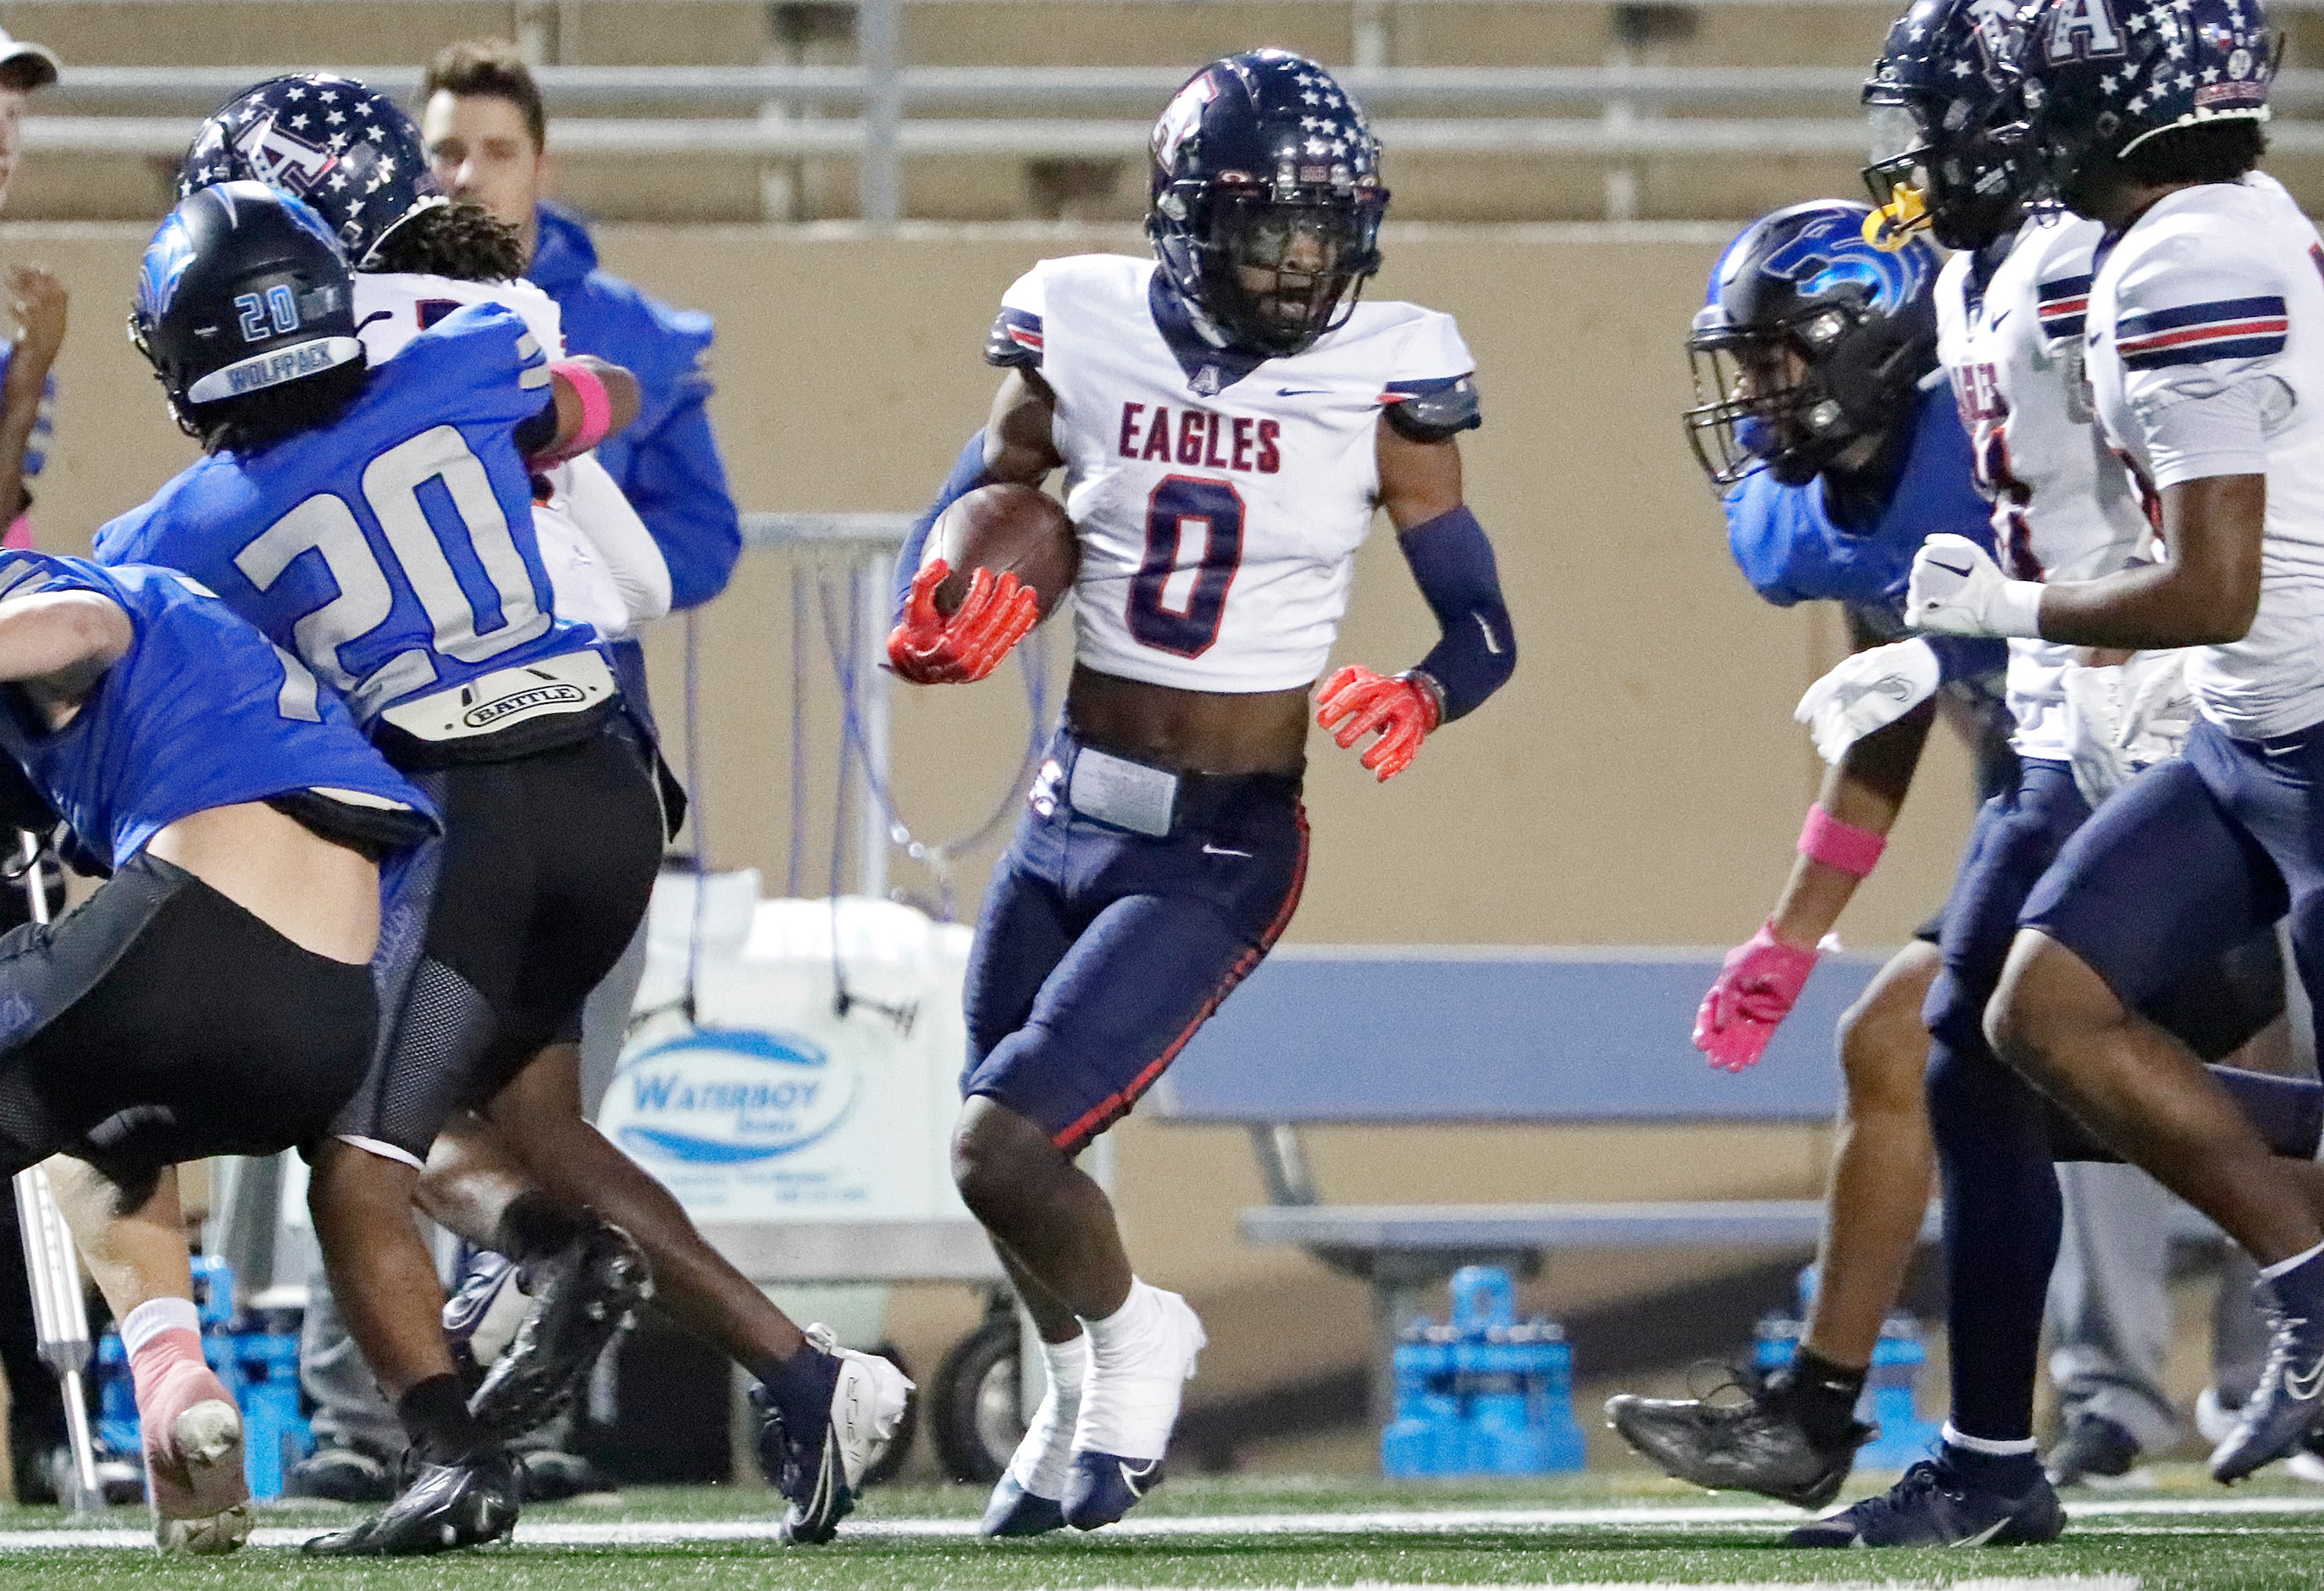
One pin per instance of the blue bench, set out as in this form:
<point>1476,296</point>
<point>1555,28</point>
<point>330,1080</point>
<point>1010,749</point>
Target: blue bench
<point>1382,1035</point>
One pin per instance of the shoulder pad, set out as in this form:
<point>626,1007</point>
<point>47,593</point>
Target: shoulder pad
<point>1015,340</point>
<point>1433,411</point>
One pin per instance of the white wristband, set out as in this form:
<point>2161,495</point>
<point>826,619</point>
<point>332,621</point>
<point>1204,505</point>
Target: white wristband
<point>2015,608</point>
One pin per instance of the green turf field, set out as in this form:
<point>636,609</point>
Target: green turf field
<point>1258,1531</point>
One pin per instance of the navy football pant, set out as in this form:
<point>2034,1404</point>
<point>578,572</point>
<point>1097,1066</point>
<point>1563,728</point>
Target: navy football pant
<point>1997,1136</point>
<point>2001,1206</point>
<point>1100,952</point>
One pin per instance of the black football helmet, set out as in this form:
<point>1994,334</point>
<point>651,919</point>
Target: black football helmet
<point>347,151</point>
<point>1265,200</point>
<point>2102,77</point>
<point>244,288</point>
<point>1811,340</point>
<point>1946,105</point>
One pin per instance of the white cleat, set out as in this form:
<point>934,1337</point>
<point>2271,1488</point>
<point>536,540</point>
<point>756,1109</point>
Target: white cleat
<point>1130,1404</point>
<point>201,1500</point>
<point>820,1472</point>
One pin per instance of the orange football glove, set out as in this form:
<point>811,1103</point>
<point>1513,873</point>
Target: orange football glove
<point>928,649</point>
<point>1403,708</point>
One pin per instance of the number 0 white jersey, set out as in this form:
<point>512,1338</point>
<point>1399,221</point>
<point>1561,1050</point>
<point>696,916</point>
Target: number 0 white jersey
<point>2216,288</point>
<point>2063,507</point>
<point>1220,501</point>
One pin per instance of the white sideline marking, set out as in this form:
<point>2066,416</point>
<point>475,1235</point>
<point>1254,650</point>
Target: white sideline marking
<point>2107,1514</point>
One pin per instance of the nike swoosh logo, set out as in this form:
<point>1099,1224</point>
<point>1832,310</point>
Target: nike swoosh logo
<point>1212,850</point>
<point>1492,643</point>
<point>1298,391</point>
<point>1987,1534</point>
<point>1895,689</point>
<point>2304,1387</point>
<point>1952,569</point>
<point>1995,324</point>
<point>1137,1479</point>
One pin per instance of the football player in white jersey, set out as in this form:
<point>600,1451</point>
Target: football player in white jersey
<point>2205,348</point>
<point>1228,416</point>
<point>528,1175</point>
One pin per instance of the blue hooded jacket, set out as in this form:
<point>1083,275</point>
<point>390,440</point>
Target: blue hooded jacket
<point>667,463</point>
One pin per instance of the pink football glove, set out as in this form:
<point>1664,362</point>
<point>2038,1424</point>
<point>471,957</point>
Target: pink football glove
<point>929,649</point>
<point>1758,985</point>
<point>1355,702</point>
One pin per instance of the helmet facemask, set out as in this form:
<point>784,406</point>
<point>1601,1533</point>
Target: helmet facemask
<point>1966,185</point>
<point>1276,273</point>
<point>1759,403</point>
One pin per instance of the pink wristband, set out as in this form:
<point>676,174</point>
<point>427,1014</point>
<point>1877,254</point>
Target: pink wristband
<point>1826,839</point>
<point>597,407</point>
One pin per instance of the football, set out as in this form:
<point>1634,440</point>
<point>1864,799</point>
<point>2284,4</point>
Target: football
<point>1009,529</point>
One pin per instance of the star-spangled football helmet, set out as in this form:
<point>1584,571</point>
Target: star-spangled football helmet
<point>1265,200</point>
<point>1811,341</point>
<point>1945,101</point>
<point>349,151</point>
<point>2105,76</point>
<point>243,289</point>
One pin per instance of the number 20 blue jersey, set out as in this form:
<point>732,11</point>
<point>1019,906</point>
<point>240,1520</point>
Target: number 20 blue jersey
<point>393,550</point>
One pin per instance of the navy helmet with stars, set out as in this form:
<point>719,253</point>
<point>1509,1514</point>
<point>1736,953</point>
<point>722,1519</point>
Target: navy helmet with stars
<point>2102,77</point>
<point>1949,120</point>
<point>1265,200</point>
<point>347,151</point>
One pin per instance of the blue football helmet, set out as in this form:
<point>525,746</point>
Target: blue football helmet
<point>1811,341</point>
<point>349,151</point>
<point>1265,200</point>
<point>2105,76</point>
<point>1945,101</point>
<point>243,288</point>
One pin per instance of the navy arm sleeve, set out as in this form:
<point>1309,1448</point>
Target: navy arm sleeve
<point>967,475</point>
<point>1453,562</point>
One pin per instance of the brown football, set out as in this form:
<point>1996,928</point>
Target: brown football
<point>1009,529</point>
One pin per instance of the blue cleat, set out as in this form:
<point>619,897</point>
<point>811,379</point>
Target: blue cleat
<point>1935,1505</point>
<point>1016,1512</point>
<point>2288,1402</point>
<point>1103,1487</point>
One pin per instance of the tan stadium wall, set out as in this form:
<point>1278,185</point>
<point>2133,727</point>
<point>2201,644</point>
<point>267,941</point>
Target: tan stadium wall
<point>1639,782</point>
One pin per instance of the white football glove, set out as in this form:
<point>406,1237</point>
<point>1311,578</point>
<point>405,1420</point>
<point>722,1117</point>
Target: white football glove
<point>1957,590</point>
<point>2124,717</point>
<point>1870,690</point>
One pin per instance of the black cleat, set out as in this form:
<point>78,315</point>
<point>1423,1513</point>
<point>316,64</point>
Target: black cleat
<point>2287,1403</point>
<point>1757,1445</point>
<point>340,1474</point>
<point>445,1507</point>
<point>1934,1506</point>
<point>582,1295</point>
<point>2094,1449</point>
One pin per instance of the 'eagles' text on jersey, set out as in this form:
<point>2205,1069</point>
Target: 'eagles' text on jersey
<point>1220,500</point>
<point>2217,286</point>
<point>2063,507</point>
<point>393,550</point>
<point>201,712</point>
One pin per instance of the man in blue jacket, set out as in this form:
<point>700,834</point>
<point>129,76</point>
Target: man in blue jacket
<point>485,127</point>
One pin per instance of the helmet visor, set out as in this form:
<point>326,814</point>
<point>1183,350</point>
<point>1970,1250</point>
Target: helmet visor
<point>1284,272</point>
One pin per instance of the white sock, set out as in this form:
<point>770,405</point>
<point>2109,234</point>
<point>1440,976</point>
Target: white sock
<point>1044,1457</point>
<point>150,1319</point>
<point>2270,1272</point>
<point>1141,1358</point>
<point>1986,1445</point>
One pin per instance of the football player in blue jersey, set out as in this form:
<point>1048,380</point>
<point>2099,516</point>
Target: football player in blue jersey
<point>214,995</point>
<point>826,1413</point>
<point>1836,456</point>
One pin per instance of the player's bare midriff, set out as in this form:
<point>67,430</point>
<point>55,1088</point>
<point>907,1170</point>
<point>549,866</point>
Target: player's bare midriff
<point>1191,731</point>
<point>320,895</point>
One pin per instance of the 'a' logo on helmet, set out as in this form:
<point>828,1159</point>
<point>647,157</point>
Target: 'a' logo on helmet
<point>1179,120</point>
<point>283,160</point>
<point>2084,30</point>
